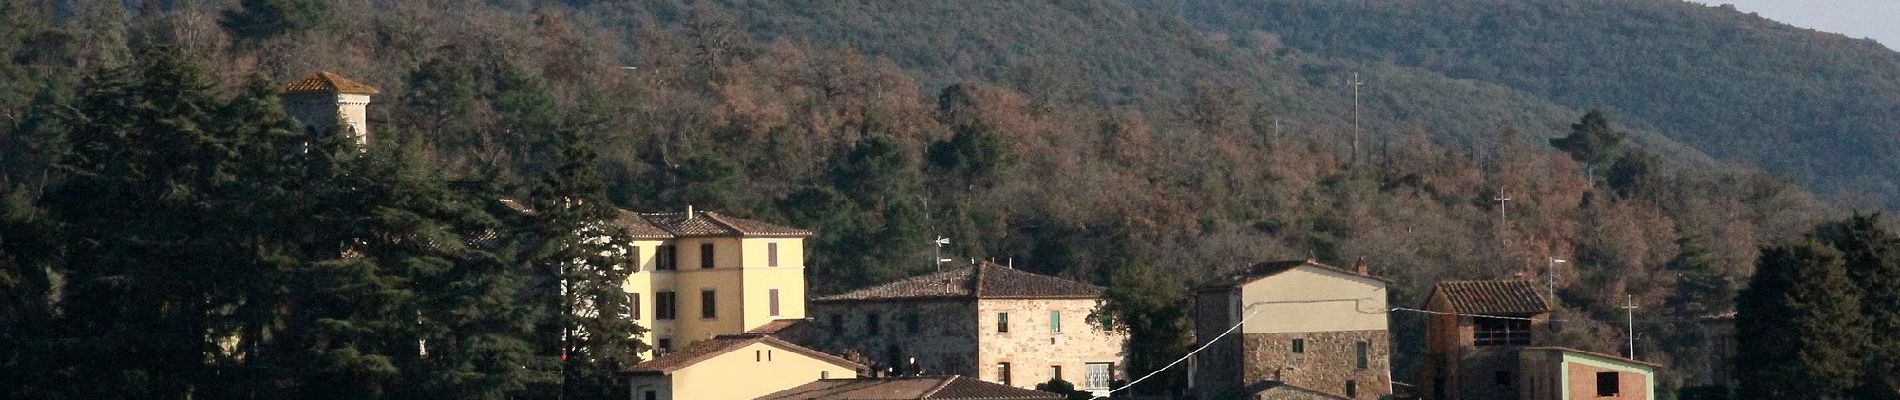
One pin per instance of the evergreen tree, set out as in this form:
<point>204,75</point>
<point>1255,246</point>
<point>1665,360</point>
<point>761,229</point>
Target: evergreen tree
<point>257,20</point>
<point>1872,258</point>
<point>581,257</point>
<point>1591,141</point>
<point>1800,325</point>
<point>1152,309</point>
<point>27,251</point>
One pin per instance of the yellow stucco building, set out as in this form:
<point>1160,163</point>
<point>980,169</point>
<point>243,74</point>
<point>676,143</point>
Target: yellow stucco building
<point>702,274</point>
<point>734,367</point>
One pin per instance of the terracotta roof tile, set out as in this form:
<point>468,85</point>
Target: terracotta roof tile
<point>328,82</point>
<point>707,223</point>
<point>983,281</point>
<point>639,228</point>
<point>707,349</point>
<point>918,387</point>
<point>1503,297</point>
<point>1592,354</point>
<point>776,326</point>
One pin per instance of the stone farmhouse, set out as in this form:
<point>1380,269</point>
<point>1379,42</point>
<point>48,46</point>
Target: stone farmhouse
<point>1488,339</point>
<point>1309,331</point>
<point>983,320</point>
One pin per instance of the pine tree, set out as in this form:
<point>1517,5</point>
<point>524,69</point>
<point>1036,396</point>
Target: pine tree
<point>1592,141</point>
<point>580,256</point>
<point>1800,325</point>
<point>1152,309</point>
<point>1872,257</point>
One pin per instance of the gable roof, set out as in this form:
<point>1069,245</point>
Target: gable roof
<point>722,344</point>
<point>1491,297</point>
<point>1283,390</point>
<point>708,223</point>
<point>1270,268</point>
<point>949,387</point>
<point>983,280</point>
<point>328,82</point>
<point>1596,355</point>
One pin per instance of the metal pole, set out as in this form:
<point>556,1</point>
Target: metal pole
<point>1629,314</point>
<point>1355,117</point>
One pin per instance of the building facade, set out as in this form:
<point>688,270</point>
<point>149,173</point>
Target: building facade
<point>325,101</point>
<point>941,387</point>
<point>1556,373</point>
<point>701,274</point>
<point>1304,327</point>
<point>987,321</point>
<point>741,366</point>
<point>1473,334</point>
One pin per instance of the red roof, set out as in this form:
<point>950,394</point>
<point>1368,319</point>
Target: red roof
<point>328,82</point>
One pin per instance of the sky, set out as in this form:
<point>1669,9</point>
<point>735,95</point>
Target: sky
<point>1875,19</point>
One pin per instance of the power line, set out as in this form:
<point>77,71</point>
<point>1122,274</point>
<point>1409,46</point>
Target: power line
<point>1210,343</point>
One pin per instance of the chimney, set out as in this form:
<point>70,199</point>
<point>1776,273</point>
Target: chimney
<point>689,211</point>
<point>1360,267</point>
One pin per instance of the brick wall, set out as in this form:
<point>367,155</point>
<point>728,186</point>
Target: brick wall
<point>1583,384</point>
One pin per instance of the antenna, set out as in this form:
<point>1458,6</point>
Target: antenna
<point>1355,83</point>
<point>1629,314</point>
<point>1501,199</point>
<point>939,260</point>
<point>1552,279</point>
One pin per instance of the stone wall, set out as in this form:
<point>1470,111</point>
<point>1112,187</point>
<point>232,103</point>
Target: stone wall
<point>1033,348</point>
<point>1328,361</point>
<point>945,342</point>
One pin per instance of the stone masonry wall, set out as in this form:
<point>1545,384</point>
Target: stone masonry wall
<point>1328,361</point>
<point>945,342</point>
<point>1032,348</point>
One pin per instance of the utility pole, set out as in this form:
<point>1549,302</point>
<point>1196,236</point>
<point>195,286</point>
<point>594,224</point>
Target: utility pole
<point>1629,314</point>
<point>1552,279</point>
<point>939,259</point>
<point>1501,217</point>
<point>1356,83</point>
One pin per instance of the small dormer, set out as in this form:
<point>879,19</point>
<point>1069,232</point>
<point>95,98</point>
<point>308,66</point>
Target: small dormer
<point>324,101</point>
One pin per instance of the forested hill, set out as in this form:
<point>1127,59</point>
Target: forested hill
<point>1138,145</point>
<point>1818,106</point>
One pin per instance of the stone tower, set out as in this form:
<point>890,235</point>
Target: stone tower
<point>324,99</point>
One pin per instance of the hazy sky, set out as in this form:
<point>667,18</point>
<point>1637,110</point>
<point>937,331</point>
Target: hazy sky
<point>1877,19</point>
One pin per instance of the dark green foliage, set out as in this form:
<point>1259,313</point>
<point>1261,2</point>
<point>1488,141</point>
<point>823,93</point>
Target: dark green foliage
<point>1064,388</point>
<point>1591,141</point>
<point>580,257</point>
<point>1872,258</point>
<point>1800,326</point>
<point>256,20</point>
<point>1153,310</point>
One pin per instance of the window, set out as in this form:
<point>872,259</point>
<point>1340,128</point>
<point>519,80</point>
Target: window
<point>1360,358</point>
<point>1108,321</point>
<point>768,355</point>
<point>771,300</point>
<point>1501,378</point>
<point>1055,321</point>
<point>633,306</point>
<point>708,306</point>
<point>1002,322</point>
<point>837,325</point>
<point>912,324</point>
<point>871,324</point>
<point>637,261</point>
<point>1100,375</point>
<point>1502,332</point>
<point>664,305</point>
<point>1607,385</point>
<point>824,374</point>
<point>667,258</point>
<point>1055,372</point>
<point>771,254</point>
<point>758,355</point>
<point>705,256</point>
<point>652,395</point>
<point>666,345</point>
<point>1352,389</point>
<point>1299,345</point>
<point>1002,373</point>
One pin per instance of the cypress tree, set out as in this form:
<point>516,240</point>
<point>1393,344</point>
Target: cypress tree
<point>1800,322</point>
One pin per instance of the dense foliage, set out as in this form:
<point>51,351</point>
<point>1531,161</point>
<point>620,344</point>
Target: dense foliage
<point>1088,140</point>
<point>1817,312</point>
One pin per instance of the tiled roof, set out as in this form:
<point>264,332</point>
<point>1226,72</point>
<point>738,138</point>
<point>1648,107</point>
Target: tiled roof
<point>722,344</point>
<point>984,280</point>
<point>1271,268</point>
<point>1592,354</point>
<point>328,82</point>
<point>776,326</point>
<point>708,223</point>
<point>1491,297</point>
<point>950,387</point>
<point>1282,390</point>
<point>638,228</point>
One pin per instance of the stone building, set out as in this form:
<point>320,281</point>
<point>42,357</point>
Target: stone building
<point>1306,330</point>
<point>324,101</point>
<point>1473,335</point>
<point>943,387</point>
<point>986,321</point>
<point>1556,373</point>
